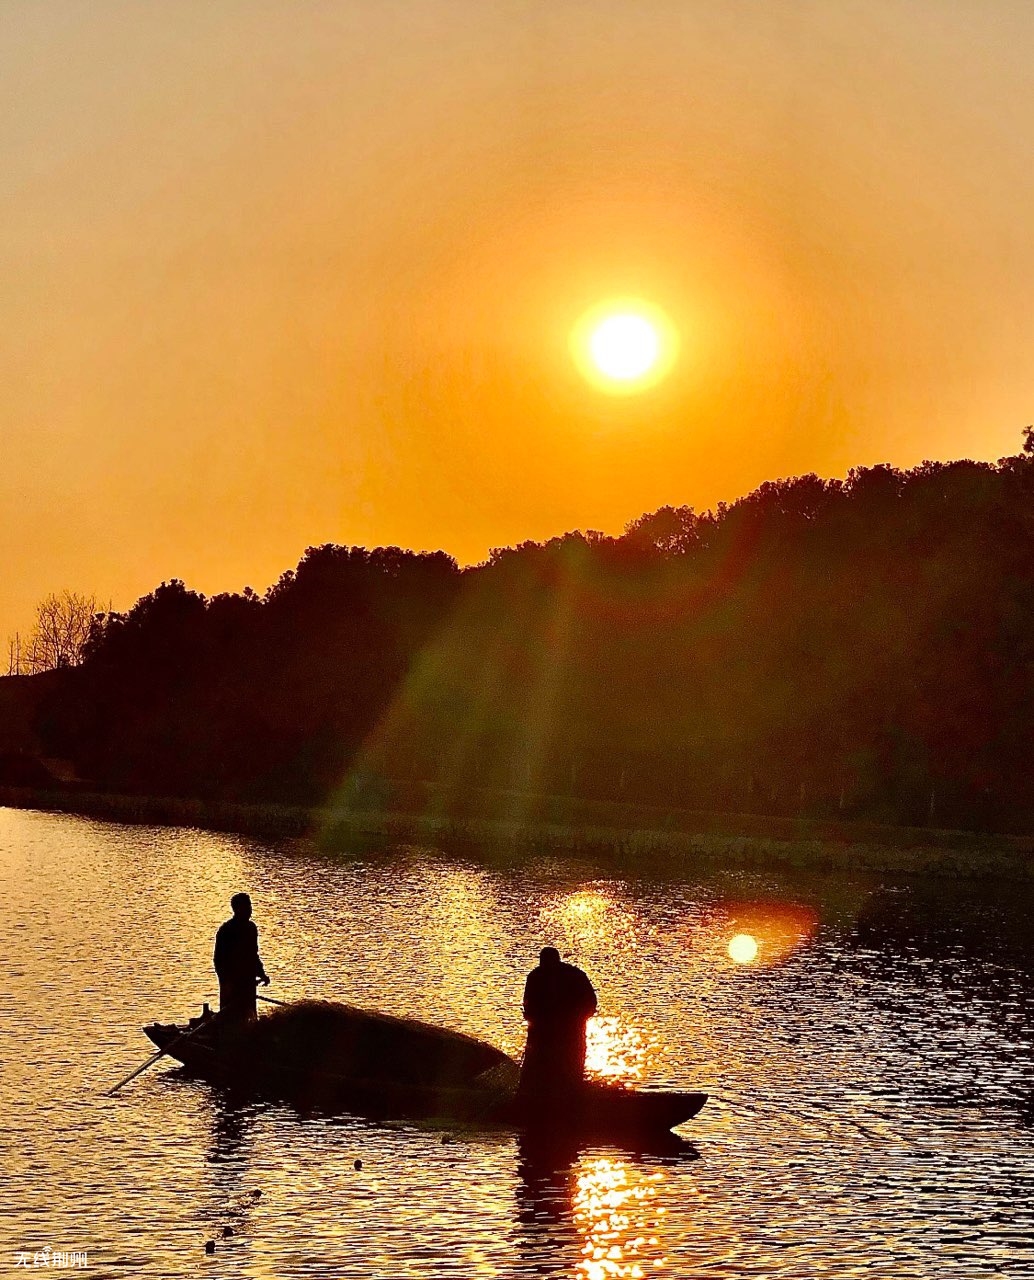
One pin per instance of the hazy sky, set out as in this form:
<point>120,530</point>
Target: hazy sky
<point>275,274</point>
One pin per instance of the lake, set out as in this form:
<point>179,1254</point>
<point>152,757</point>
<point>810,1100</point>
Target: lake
<point>867,1043</point>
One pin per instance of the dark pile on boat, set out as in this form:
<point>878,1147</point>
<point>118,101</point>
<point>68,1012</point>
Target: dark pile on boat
<point>317,1036</point>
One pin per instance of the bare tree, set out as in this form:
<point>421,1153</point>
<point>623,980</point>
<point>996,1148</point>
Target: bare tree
<point>58,634</point>
<point>14,654</point>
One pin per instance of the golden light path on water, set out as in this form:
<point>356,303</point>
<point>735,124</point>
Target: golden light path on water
<point>588,921</point>
<point>614,1209</point>
<point>593,921</point>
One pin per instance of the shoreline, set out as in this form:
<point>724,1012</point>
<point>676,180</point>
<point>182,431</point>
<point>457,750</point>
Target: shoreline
<point>735,840</point>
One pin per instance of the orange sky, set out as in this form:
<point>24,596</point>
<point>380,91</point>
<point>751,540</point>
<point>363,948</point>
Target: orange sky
<point>281,273</point>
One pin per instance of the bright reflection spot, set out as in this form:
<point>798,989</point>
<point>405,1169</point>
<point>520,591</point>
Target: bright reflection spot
<point>608,1210</point>
<point>587,906</point>
<point>591,919</point>
<point>743,948</point>
<point>774,930</point>
<point>617,1052</point>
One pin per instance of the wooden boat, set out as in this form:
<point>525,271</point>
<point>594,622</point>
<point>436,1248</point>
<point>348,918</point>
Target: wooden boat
<point>336,1057</point>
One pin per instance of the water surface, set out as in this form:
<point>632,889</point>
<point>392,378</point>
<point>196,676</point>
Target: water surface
<point>871,1068</point>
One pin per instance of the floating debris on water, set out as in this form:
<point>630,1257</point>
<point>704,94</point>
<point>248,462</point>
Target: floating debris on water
<point>209,1246</point>
<point>358,1164</point>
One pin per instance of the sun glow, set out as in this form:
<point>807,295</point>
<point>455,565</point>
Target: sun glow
<point>624,345</point>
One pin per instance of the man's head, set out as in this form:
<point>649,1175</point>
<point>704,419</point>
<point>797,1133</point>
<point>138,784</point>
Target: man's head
<point>549,956</point>
<point>240,905</point>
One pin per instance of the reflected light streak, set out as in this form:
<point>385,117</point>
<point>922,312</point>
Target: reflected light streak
<point>462,939</point>
<point>616,1051</point>
<point>609,1210</point>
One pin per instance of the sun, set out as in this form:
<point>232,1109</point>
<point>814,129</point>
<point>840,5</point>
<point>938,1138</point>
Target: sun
<point>624,345</point>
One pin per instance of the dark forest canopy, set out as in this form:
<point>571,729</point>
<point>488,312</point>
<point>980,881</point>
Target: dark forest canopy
<point>860,647</point>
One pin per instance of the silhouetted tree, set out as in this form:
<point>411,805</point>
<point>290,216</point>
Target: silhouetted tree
<point>58,636</point>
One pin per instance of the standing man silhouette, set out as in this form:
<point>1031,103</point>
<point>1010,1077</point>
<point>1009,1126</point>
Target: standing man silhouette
<point>237,962</point>
<point>559,1000</point>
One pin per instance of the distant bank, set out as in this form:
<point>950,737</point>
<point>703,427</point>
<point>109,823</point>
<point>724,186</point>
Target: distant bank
<point>735,840</point>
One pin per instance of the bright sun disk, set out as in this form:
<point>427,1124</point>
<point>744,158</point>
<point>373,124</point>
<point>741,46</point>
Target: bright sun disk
<point>624,345</point>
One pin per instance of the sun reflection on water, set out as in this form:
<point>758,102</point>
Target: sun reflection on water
<point>841,1129</point>
<point>764,933</point>
<point>590,918</point>
<point>610,1210</point>
<point>617,1051</point>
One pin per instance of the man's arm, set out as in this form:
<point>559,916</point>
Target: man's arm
<point>219,954</point>
<point>260,972</point>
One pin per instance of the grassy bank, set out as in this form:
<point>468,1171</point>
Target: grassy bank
<point>726,839</point>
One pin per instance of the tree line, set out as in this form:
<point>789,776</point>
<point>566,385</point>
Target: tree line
<point>860,647</point>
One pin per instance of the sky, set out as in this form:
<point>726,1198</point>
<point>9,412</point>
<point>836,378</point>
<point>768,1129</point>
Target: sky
<point>278,274</point>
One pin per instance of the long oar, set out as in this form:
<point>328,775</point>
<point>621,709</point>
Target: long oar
<point>270,1000</point>
<point>160,1054</point>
